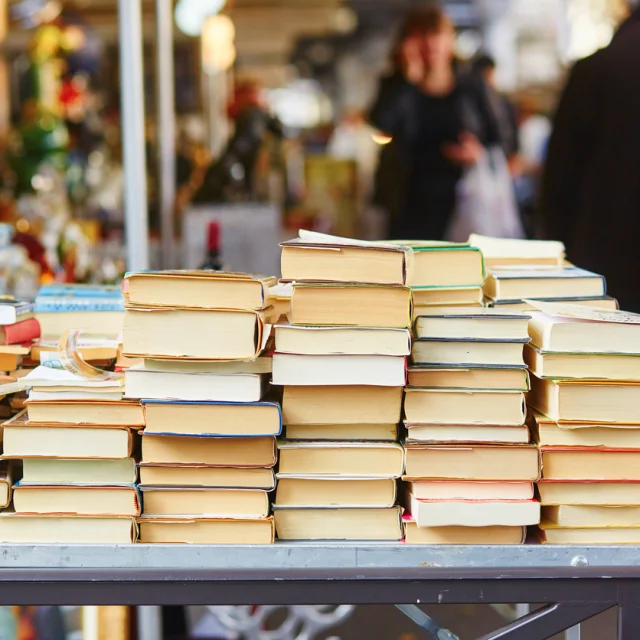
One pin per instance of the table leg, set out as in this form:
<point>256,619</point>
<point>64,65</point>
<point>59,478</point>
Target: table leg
<point>628,622</point>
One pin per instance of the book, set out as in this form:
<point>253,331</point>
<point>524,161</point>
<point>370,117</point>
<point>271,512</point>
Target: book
<point>442,433</point>
<point>547,433</point>
<point>204,387</point>
<point>52,394</point>
<point>590,464</point>
<point>342,340</point>
<point>212,418</point>
<point>339,524</point>
<point>489,378</point>
<point>511,251</point>
<point>445,264</point>
<point>206,531</point>
<point>597,302</point>
<point>195,334</point>
<point>505,353</point>
<point>472,324</point>
<point>6,483</point>
<point>331,370</point>
<point>61,471</point>
<point>221,477</point>
<point>590,401</point>
<point>568,335</point>
<point>67,442</point>
<point>317,257</point>
<point>575,536</point>
<point>76,500</point>
<point>452,406</point>
<point>197,289</point>
<point>446,297</point>
<point>258,366</point>
<point>21,332</point>
<point>470,490</point>
<point>341,405</point>
<point>582,365</point>
<point>563,282</point>
<point>335,492</point>
<point>178,502</point>
<point>591,516</point>
<point>361,431</point>
<point>124,413</point>
<point>89,349</point>
<point>595,492</point>
<point>216,452</point>
<point>45,529</point>
<point>10,361</point>
<point>466,513</point>
<point>107,324</point>
<point>477,462</point>
<point>463,535</point>
<point>347,304</point>
<point>68,298</point>
<point>352,459</point>
<point>13,311</point>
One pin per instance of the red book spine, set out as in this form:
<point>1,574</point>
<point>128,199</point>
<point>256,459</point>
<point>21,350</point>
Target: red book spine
<point>20,332</point>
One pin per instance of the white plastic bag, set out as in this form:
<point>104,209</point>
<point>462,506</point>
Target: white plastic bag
<point>486,202</point>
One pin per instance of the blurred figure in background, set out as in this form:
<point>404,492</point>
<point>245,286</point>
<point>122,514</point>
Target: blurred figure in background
<point>591,185</point>
<point>439,123</point>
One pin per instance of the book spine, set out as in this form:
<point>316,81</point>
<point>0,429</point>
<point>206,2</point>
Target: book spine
<point>53,304</point>
<point>20,332</point>
<point>73,292</point>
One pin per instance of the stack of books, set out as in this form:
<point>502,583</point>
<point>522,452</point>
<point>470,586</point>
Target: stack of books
<point>18,330</point>
<point>469,465</point>
<point>342,363</point>
<point>209,444</point>
<point>585,397</point>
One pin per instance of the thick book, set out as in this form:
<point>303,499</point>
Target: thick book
<point>342,340</point>
<point>489,378</point>
<point>192,334</point>
<point>490,353</point>
<point>197,289</point>
<point>179,502</point>
<point>590,401</point>
<point>590,366</point>
<point>590,464</point>
<point>106,324</point>
<point>76,500</point>
<point>335,492</point>
<point>24,331</point>
<point>591,516</point>
<point>215,477</point>
<point>57,298</point>
<point>315,257</point>
<point>67,442</point>
<point>61,471</point>
<point>513,251</point>
<point>108,413</point>
<point>13,311</point>
<point>476,513</point>
<point>205,531</point>
<point>212,418</point>
<point>341,405</point>
<point>333,370</point>
<point>445,264</point>
<point>462,535</point>
<point>597,302</point>
<point>53,529</point>
<point>352,459</point>
<point>259,366</point>
<point>383,525</point>
<point>452,406</point>
<point>563,282</point>
<point>358,431</point>
<point>550,534</point>
<point>477,462</point>
<point>216,452</point>
<point>464,433</point>
<point>351,305</point>
<point>473,490</point>
<point>472,324</point>
<point>589,492</point>
<point>434,299</point>
<point>141,382</point>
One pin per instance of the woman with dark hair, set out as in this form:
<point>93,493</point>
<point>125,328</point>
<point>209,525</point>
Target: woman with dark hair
<point>439,123</point>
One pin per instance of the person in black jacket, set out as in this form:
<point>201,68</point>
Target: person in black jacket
<point>438,122</point>
<point>591,185</point>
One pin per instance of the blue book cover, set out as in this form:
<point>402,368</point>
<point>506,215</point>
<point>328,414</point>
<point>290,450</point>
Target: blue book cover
<point>70,297</point>
<point>81,290</point>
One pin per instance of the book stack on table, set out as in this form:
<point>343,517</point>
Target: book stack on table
<point>342,363</point>
<point>209,445</point>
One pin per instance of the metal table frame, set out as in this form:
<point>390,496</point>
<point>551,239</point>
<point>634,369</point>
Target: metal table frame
<point>573,583</point>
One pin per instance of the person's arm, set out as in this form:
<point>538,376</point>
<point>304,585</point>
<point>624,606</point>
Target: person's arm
<point>387,112</point>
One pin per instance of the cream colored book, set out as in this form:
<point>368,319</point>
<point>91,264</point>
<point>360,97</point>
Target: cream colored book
<point>590,464</point>
<point>597,492</point>
<point>206,531</point>
<point>445,297</point>
<point>597,302</point>
<point>463,353</point>
<point>261,365</point>
<point>453,433</point>
<point>473,324</point>
<point>60,471</point>
<point>592,516</point>
<point>511,251</point>
<point>549,534</point>
<point>463,535</point>
<point>107,324</point>
<point>342,431</point>
<point>109,413</point>
<point>221,477</point>
<point>489,378</point>
<point>470,490</point>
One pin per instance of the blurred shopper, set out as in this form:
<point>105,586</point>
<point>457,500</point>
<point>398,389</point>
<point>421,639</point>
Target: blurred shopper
<point>440,123</point>
<point>591,185</point>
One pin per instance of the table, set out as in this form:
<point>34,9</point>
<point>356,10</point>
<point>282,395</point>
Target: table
<point>574,583</point>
